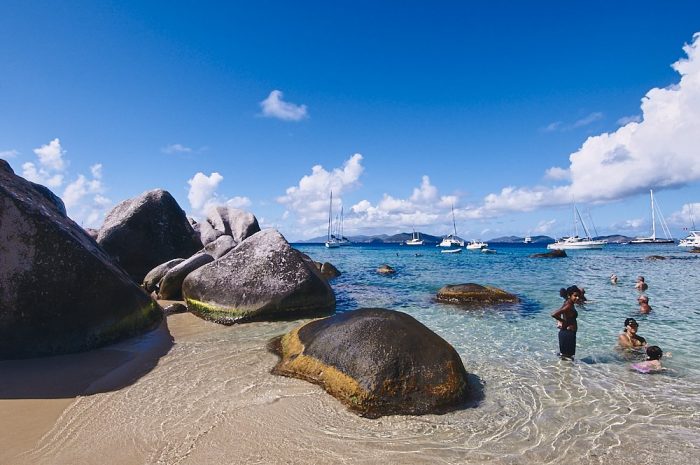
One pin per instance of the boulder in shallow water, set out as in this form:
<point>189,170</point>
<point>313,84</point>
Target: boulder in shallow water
<point>377,362</point>
<point>263,278</point>
<point>656,257</point>
<point>143,232</point>
<point>329,271</point>
<point>385,269</point>
<point>470,293</point>
<point>556,253</point>
<point>59,291</point>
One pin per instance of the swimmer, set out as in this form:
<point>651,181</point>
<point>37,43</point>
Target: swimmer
<point>644,304</point>
<point>613,278</point>
<point>653,361</point>
<point>640,285</point>
<point>629,339</point>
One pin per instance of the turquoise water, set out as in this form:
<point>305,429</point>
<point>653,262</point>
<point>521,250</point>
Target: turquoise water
<point>526,329</point>
<point>534,405</point>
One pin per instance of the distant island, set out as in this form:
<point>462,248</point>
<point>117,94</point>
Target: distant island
<point>430,239</point>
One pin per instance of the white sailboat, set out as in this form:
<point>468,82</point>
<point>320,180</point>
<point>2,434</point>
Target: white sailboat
<point>527,240</point>
<point>653,239</point>
<point>331,241</point>
<point>415,239</point>
<point>451,240</point>
<point>340,231</point>
<point>575,242</point>
<point>692,240</point>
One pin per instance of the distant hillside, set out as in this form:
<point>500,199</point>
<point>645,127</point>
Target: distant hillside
<point>520,240</point>
<point>430,239</point>
<point>378,239</point>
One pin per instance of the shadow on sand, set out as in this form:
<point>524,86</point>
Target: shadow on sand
<point>102,370</point>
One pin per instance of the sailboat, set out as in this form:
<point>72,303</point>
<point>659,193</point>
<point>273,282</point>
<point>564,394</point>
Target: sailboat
<point>527,240</point>
<point>339,231</point>
<point>451,240</point>
<point>653,239</point>
<point>331,241</point>
<point>575,242</point>
<point>692,239</point>
<point>415,239</point>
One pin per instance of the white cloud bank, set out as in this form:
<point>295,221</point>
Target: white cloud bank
<point>274,107</point>
<point>202,194</point>
<point>308,200</point>
<point>659,151</point>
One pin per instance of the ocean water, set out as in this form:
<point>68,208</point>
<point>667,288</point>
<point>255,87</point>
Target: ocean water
<point>211,397</point>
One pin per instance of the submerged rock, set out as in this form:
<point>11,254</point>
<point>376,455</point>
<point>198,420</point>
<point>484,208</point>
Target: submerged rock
<point>145,231</point>
<point>263,278</point>
<point>377,362</point>
<point>656,257</point>
<point>471,293</point>
<point>385,269</point>
<point>59,291</point>
<point>551,254</point>
<point>175,307</point>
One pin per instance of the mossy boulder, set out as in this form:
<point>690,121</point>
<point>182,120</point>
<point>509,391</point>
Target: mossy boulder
<point>556,253</point>
<point>143,232</point>
<point>474,294</point>
<point>377,362</point>
<point>263,278</point>
<point>59,291</point>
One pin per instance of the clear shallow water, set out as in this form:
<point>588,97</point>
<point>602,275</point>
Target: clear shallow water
<point>211,398</point>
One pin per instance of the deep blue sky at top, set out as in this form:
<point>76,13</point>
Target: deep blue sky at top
<point>434,88</point>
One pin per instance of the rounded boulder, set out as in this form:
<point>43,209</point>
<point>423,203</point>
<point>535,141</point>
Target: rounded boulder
<point>377,362</point>
<point>263,278</point>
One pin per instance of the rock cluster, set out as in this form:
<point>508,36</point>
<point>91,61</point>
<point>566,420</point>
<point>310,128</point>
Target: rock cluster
<point>556,253</point>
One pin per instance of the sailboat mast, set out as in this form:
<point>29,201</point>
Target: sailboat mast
<point>653,218</point>
<point>454,224</point>
<point>330,215</point>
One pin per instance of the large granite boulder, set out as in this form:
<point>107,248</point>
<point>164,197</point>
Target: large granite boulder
<point>59,291</point>
<point>377,362</point>
<point>170,287</point>
<point>220,247</point>
<point>145,231</point>
<point>471,293</point>
<point>263,278</point>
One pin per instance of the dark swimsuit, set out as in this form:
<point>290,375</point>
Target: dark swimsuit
<point>567,338</point>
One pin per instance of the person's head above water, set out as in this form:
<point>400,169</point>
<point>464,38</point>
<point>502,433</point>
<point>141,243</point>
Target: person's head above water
<point>654,353</point>
<point>631,322</point>
<point>569,291</point>
<point>643,298</point>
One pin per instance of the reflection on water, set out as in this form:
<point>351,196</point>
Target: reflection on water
<point>211,399</point>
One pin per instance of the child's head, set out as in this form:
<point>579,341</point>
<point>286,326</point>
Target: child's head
<point>654,353</point>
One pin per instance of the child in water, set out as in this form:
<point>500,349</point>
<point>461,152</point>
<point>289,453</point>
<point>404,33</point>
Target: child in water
<point>653,361</point>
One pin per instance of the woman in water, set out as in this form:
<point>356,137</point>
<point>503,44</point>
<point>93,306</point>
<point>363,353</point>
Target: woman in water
<point>629,339</point>
<point>566,321</point>
<point>644,306</point>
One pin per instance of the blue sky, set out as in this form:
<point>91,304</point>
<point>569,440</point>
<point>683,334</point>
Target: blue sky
<point>509,110</point>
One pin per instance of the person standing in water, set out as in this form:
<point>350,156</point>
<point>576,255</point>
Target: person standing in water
<point>566,321</point>
<point>641,285</point>
<point>644,306</point>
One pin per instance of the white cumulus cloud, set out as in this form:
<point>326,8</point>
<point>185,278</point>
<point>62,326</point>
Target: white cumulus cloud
<point>84,198</point>
<point>203,195</point>
<point>309,199</point>
<point>658,151</point>
<point>50,167</point>
<point>274,107</point>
